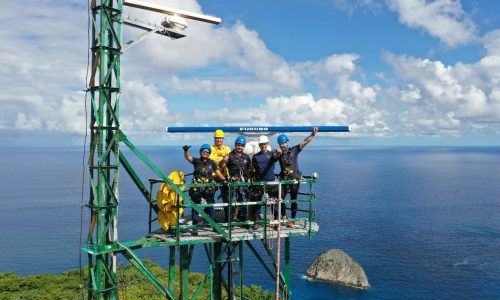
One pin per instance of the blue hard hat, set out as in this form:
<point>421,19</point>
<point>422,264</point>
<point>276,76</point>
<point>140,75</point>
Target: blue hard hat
<point>282,138</point>
<point>240,140</point>
<point>206,147</point>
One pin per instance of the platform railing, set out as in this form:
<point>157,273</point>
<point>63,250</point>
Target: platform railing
<point>305,201</point>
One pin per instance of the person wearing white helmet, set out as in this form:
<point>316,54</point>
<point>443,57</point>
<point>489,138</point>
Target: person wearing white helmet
<point>290,168</point>
<point>263,163</point>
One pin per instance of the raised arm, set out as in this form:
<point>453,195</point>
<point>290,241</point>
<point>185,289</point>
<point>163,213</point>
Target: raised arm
<point>187,156</point>
<point>219,175</point>
<point>277,153</point>
<point>224,161</point>
<point>309,138</point>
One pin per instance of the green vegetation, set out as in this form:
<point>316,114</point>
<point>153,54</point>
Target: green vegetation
<point>131,285</point>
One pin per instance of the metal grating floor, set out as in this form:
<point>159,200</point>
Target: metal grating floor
<point>207,235</point>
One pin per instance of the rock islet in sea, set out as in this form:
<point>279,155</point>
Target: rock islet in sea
<point>336,266</point>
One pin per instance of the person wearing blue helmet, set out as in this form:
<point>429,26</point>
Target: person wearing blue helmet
<point>239,168</point>
<point>289,164</point>
<point>204,168</point>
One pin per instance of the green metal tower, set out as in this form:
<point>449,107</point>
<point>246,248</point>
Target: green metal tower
<point>104,88</point>
<point>223,242</point>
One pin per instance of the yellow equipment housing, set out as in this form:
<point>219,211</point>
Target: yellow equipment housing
<point>167,200</point>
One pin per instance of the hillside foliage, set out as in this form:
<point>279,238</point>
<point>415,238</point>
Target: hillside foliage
<point>131,285</point>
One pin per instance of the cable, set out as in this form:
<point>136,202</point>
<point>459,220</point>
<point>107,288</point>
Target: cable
<point>84,149</point>
<point>278,248</point>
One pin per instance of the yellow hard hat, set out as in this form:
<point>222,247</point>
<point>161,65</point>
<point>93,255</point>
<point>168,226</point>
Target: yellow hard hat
<point>219,134</point>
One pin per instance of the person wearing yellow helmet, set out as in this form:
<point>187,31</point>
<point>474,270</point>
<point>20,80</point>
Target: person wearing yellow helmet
<point>219,151</point>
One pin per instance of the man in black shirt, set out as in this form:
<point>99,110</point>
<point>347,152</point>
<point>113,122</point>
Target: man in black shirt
<point>290,167</point>
<point>203,173</point>
<point>239,167</point>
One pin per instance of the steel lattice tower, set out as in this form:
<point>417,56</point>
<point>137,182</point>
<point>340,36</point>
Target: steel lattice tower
<point>224,248</point>
<point>104,88</point>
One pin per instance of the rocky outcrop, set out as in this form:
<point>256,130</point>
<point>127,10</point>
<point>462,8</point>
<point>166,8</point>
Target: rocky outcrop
<point>335,265</point>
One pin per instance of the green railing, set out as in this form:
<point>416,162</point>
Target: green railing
<point>305,203</point>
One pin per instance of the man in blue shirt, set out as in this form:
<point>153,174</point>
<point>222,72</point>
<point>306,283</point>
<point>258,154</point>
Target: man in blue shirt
<point>263,162</point>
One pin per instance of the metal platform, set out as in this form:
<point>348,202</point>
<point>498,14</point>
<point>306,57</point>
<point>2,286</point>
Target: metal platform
<point>237,233</point>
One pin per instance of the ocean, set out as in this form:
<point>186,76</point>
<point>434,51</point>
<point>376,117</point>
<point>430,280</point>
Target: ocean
<point>423,222</point>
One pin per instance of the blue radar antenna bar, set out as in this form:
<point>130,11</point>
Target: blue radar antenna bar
<point>256,129</point>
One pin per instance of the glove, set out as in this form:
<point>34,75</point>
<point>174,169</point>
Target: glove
<point>186,147</point>
<point>225,183</point>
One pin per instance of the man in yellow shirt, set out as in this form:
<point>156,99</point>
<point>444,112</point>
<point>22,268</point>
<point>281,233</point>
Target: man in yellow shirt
<point>219,151</point>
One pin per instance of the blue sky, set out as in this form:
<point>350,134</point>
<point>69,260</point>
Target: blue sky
<point>399,72</point>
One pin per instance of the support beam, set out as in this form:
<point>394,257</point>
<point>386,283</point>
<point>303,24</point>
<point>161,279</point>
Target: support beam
<point>230,271</point>
<point>172,11</point>
<point>184,270</point>
<point>288,284</point>
<point>217,284</point>
<point>259,258</point>
<point>171,270</point>
<point>240,244</point>
<point>150,276</point>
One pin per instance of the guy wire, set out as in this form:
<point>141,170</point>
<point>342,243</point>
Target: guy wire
<point>84,150</point>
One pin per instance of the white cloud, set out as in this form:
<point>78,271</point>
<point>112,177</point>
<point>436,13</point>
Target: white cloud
<point>255,57</point>
<point>446,99</point>
<point>491,42</point>
<point>333,65</point>
<point>350,6</point>
<point>67,114</point>
<point>303,110</point>
<point>443,19</point>
<point>360,95</point>
<point>232,47</point>
<point>25,123</point>
<point>237,85</point>
<point>145,109</point>
<point>43,63</point>
<point>323,72</point>
<point>410,94</point>
<point>43,58</point>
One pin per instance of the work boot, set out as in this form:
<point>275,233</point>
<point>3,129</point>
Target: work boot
<point>256,226</point>
<point>245,226</point>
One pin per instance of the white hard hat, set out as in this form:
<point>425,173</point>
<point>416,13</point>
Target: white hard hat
<point>263,139</point>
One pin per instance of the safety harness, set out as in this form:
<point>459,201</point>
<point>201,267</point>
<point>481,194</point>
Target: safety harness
<point>203,173</point>
<point>238,167</point>
<point>287,172</point>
